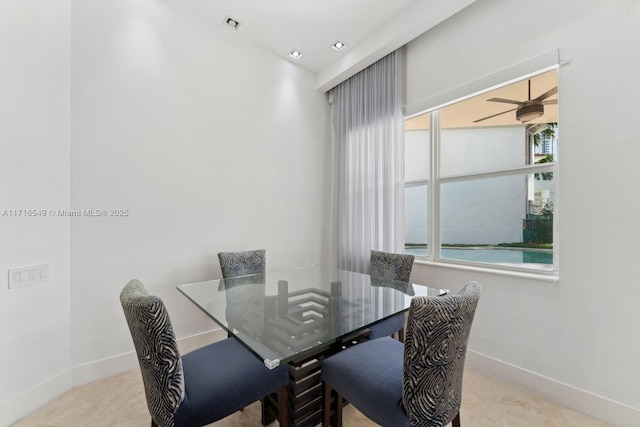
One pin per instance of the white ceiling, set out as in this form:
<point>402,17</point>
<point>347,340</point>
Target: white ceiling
<point>370,28</point>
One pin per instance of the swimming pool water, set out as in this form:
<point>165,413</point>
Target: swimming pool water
<point>495,256</point>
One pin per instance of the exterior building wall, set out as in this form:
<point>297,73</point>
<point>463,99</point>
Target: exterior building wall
<point>479,211</point>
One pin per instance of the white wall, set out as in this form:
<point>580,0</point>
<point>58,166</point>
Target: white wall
<point>177,121</point>
<point>208,141</point>
<point>482,149</point>
<point>211,143</point>
<point>473,212</point>
<point>487,210</point>
<point>574,339</point>
<point>34,174</point>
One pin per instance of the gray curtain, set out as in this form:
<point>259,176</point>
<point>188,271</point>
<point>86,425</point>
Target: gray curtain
<point>368,131</point>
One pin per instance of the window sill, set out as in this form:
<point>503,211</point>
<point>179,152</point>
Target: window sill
<point>551,276</point>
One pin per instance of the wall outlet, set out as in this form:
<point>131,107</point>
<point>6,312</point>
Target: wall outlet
<point>30,275</point>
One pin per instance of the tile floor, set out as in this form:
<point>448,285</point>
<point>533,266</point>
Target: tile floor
<point>119,401</point>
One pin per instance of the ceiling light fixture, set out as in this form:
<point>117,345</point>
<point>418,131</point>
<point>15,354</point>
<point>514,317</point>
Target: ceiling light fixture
<point>295,54</point>
<point>529,112</point>
<point>231,22</point>
<point>338,45</point>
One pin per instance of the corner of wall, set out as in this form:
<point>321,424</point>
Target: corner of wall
<point>114,365</point>
<point>19,407</point>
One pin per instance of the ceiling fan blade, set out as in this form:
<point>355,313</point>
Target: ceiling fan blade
<point>494,115</point>
<point>508,101</point>
<point>549,102</point>
<point>547,94</point>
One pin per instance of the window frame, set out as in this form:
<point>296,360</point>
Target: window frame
<point>434,182</point>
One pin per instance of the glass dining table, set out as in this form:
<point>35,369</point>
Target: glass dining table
<point>299,316</point>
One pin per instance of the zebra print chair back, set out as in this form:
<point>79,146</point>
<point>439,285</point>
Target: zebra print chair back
<point>386,265</point>
<point>391,266</point>
<point>157,351</point>
<point>434,352</point>
<point>235,264</point>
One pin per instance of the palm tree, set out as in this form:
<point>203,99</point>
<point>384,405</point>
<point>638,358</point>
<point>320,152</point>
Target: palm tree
<point>549,133</point>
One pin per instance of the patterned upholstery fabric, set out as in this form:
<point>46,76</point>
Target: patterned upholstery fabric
<point>434,352</point>
<point>203,386</point>
<point>235,264</point>
<point>386,265</point>
<point>415,384</point>
<point>157,351</point>
<point>404,287</point>
<point>391,266</point>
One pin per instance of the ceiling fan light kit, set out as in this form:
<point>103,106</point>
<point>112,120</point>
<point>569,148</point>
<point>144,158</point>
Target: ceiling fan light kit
<point>529,112</point>
<point>526,110</point>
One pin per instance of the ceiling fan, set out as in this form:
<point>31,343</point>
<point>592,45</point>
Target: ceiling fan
<point>526,110</point>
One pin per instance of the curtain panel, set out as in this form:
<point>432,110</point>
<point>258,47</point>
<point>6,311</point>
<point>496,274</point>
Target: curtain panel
<point>368,131</point>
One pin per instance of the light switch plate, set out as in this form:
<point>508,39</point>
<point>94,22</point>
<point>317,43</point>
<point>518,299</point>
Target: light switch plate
<point>30,275</point>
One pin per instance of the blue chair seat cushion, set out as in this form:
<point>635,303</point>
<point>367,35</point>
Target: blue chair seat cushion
<point>387,327</point>
<point>369,376</point>
<point>228,374</point>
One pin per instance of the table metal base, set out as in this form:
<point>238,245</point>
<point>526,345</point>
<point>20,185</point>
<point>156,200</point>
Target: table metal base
<point>305,386</point>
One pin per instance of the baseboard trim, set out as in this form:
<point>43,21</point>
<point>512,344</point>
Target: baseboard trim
<point>21,406</point>
<point>600,407</point>
<point>33,399</point>
<point>114,365</point>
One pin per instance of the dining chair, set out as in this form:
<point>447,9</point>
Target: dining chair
<point>392,266</point>
<point>202,386</point>
<point>418,383</point>
<point>235,264</point>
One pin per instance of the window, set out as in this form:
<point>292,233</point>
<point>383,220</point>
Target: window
<point>417,175</point>
<point>480,178</point>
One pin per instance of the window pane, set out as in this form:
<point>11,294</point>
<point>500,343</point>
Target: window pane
<point>506,220</point>
<point>417,149</point>
<point>482,149</point>
<point>500,129</point>
<point>416,219</point>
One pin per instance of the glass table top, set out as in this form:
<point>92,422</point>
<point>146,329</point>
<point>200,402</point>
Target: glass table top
<point>284,315</point>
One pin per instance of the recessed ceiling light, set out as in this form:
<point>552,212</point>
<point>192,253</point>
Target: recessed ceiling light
<point>233,23</point>
<point>295,54</point>
<point>338,45</point>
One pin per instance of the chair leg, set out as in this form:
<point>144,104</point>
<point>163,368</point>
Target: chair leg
<point>153,423</point>
<point>283,407</point>
<point>267,416</point>
<point>326,408</point>
<point>326,404</point>
<point>456,420</point>
<point>401,335</point>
